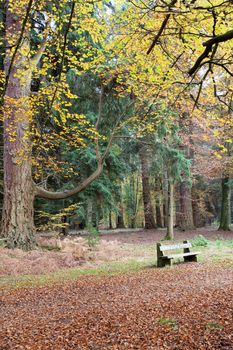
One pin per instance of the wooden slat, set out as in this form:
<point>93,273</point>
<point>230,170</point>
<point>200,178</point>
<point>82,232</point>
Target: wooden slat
<point>180,255</point>
<point>175,246</point>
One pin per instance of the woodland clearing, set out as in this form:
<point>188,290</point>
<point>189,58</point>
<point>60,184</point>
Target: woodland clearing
<point>125,303</point>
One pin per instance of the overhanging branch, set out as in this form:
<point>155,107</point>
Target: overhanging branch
<point>208,48</point>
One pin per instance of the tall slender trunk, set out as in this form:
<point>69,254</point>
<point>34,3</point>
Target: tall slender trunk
<point>120,215</point>
<point>19,192</point>
<point>89,213</point>
<point>185,207</point>
<point>225,218</point>
<point>165,200</point>
<point>159,222</point>
<point>120,218</point>
<point>158,204</point>
<point>177,204</point>
<point>2,34</point>
<point>110,220</point>
<point>198,204</point>
<point>170,212</point>
<point>148,209</point>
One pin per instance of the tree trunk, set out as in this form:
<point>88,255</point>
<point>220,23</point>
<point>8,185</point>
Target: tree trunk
<point>158,204</point>
<point>170,213</point>
<point>89,213</point>
<point>110,220</point>
<point>148,209</point>
<point>165,199</point>
<point>225,218</point>
<point>159,222</point>
<point>185,208</point>
<point>120,218</point>
<point>177,204</point>
<point>19,191</point>
<point>198,204</point>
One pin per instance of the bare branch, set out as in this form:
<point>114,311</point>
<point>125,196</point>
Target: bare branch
<point>18,44</point>
<point>63,52</point>
<point>208,48</point>
<point>163,26</point>
<point>36,58</point>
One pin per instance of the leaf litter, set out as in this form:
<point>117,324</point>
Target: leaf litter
<point>186,307</point>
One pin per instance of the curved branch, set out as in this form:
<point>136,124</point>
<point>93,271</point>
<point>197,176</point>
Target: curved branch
<point>208,48</point>
<point>41,192</point>
<point>219,38</point>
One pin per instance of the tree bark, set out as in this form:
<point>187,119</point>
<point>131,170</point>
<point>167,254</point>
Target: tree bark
<point>198,204</point>
<point>170,213</point>
<point>120,218</point>
<point>159,222</point>
<point>148,209</point>
<point>158,204</point>
<point>165,200</point>
<point>225,218</point>
<point>110,220</point>
<point>19,191</point>
<point>185,207</point>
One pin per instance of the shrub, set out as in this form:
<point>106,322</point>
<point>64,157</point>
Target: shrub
<point>200,241</point>
<point>93,237</point>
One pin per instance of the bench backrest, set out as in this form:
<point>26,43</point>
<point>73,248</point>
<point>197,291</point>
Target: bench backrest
<point>175,246</point>
<point>161,248</point>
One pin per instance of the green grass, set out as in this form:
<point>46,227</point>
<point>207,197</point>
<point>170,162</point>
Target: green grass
<point>215,252</point>
<point>107,269</point>
<point>169,322</point>
<point>213,325</point>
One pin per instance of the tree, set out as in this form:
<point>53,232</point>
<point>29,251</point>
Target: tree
<point>148,208</point>
<point>24,61</point>
<point>225,218</point>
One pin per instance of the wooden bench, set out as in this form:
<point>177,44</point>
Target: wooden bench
<point>166,254</point>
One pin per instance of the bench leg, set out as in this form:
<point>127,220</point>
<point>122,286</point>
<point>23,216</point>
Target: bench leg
<point>190,258</point>
<point>164,262</point>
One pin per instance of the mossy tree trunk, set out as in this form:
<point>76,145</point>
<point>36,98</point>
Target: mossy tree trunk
<point>225,217</point>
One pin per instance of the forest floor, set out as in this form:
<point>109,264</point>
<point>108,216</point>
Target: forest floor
<point>185,307</point>
<point>118,299</point>
<point>116,247</point>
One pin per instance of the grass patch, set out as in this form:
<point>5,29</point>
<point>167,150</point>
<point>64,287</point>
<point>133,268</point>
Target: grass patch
<point>215,252</point>
<point>50,248</point>
<point>108,269</point>
<point>168,321</point>
<point>200,241</point>
<point>213,325</point>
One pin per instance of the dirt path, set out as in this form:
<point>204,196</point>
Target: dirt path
<point>152,236</point>
<point>186,307</point>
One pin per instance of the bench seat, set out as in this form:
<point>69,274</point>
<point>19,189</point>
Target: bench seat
<point>173,256</point>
